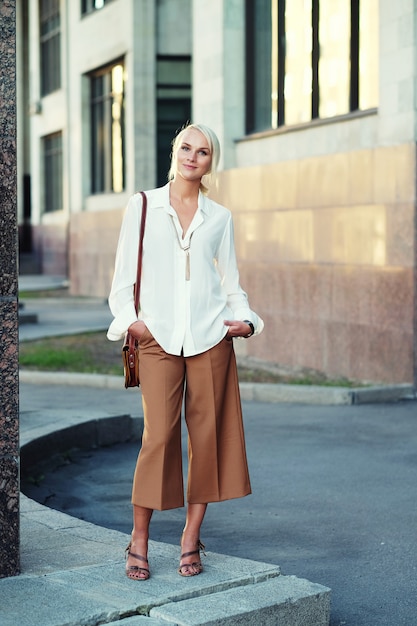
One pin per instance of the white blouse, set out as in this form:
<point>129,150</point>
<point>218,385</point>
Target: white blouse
<point>189,284</point>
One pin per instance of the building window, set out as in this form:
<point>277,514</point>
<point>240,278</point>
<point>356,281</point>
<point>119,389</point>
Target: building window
<point>50,42</point>
<point>173,108</point>
<point>88,6</point>
<point>107,129</point>
<point>309,59</point>
<point>52,162</point>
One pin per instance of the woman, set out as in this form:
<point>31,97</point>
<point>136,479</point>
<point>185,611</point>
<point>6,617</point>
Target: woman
<point>191,307</point>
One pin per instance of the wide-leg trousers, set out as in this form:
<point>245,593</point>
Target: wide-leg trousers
<point>217,463</point>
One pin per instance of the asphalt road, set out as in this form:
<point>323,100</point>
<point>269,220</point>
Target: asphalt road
<point>334,497</point>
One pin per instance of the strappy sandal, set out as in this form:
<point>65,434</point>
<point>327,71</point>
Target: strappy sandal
<point>135,569</point>
<point>195,568</point>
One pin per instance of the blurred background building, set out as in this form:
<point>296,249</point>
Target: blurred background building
<point>314,102</point>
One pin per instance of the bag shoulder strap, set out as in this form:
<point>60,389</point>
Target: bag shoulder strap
<point>140,250</point>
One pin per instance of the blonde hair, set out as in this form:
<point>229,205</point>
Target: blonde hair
<point>214,146</point>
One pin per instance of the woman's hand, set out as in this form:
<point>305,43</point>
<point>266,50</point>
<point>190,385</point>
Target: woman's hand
<point>237,329</point>
<point>137,329</point>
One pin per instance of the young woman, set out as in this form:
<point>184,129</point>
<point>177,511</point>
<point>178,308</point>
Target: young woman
<point>191,307</point>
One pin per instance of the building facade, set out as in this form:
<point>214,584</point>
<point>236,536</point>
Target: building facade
<point>314,105</point>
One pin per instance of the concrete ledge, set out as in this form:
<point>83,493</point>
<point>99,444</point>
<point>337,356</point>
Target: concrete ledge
<point>73,571</point>
<point>251,392</point>
<point>85,435</point>
<point>281,600</point>
<point>27,318</point>
<point>41,282</point>
<point>73,379</point>
<point>387,393</point>
<point>318,394</point>
<point>296,394</point>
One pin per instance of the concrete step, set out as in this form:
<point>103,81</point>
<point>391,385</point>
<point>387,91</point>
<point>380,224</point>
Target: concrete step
<point>285,600</point>
<point>29,263</point>
<point>73,575</point>
<point>26,317</point>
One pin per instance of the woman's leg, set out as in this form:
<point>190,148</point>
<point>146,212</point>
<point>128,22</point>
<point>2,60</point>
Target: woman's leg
<point>218,467</point>
<point>136,567</point>
<point>194,519</point>
<point>158,479</point>
<point>190,565</point>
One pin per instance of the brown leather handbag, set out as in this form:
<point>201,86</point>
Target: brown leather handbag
<point>130,350</point>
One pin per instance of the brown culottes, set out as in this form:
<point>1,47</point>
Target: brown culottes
<point>217,465</point>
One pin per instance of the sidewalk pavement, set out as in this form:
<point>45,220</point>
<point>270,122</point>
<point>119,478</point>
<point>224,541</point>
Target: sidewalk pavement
<point>72,571</point>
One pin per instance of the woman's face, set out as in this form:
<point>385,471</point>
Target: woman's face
<point>193,155</point>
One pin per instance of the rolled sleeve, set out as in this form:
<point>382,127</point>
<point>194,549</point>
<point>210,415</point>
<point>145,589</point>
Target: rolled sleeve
<point>121,298</point>
<point>121,322</point>
<point>237,299</point>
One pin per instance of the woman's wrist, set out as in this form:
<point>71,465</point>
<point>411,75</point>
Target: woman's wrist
<point>252,328</point>
<point>133,325</point>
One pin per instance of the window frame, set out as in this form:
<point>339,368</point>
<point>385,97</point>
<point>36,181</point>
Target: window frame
<point>177,95</point>
<point>250,67</point>
<point>49,38</point>
<point>87,7</point>
<point>53,172</point>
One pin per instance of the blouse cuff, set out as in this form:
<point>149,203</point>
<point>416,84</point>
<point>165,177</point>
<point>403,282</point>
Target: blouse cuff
<point>120,324</point>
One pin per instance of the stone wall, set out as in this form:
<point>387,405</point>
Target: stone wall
<point>9,382</point>
<point>326,252</point>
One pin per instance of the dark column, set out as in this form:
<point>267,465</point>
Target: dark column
<point>9,371</point>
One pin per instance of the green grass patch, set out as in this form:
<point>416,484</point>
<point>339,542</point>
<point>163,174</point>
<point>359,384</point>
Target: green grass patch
<point>93,353</point>
<point>45,358</point>
<point>57,292</point>
<point>85,353</point>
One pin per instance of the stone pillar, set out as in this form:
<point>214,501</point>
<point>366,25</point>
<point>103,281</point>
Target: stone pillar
<point>9,370</point>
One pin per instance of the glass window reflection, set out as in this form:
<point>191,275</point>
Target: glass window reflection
<point>368,54</point>
<point>334,63</point>
<point>309,58</point>
<point>298,62</point>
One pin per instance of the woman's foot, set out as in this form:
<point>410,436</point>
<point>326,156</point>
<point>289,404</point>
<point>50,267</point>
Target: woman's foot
<point>137,566</point>
<point>190,562</point>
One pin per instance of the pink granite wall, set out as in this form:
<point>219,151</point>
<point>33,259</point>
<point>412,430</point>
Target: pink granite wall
<point>50,244</point>
<point>93,238</point>
<point>326,250</point>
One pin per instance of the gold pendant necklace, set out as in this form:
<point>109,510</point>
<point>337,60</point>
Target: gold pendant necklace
<point>186,250</point>
<point>187,260</point>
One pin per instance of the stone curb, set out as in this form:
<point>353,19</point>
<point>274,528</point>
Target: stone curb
<point>251,392</point>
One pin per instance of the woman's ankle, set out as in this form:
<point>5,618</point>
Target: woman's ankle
<point>140,535</point>
<point>190,537</point>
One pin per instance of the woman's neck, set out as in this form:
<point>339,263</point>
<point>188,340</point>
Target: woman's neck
<point>185,191</point>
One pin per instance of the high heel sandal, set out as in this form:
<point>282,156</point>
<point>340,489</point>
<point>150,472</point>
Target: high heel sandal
<point>135,569</point>
<point>195,568</point>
